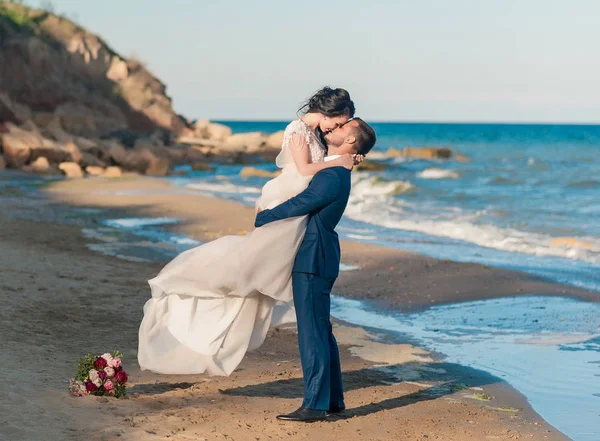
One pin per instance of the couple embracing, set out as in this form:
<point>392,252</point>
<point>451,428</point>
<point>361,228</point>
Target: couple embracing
<point>215,302</point>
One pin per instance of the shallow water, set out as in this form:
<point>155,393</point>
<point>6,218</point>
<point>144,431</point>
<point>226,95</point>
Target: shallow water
<point>548,348</point>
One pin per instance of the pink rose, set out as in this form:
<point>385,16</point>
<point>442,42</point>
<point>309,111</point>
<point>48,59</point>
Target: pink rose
<point>108,385</point>
<point>109,372</point>
<point>100,363</point>
<point>107,357</point>
<point>116,362</point>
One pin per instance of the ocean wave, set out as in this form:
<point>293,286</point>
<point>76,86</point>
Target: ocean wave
<point>393,213</point>
<point>438,173</point>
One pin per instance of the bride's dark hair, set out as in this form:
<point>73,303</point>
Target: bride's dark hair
<point>329,102</point>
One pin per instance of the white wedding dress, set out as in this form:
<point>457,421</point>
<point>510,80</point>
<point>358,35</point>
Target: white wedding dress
<point>213,303</point>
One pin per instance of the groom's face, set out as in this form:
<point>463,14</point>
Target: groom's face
<point>339,136</point>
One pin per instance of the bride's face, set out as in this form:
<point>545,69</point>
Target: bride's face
<point>329,123</point>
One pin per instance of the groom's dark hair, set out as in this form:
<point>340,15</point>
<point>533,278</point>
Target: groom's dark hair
<point>365,137</point>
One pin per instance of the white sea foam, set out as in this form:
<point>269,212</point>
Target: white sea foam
<point>224,187</point>
<point>438,173</point>
<point>378,208</point>
<point>136,222</point>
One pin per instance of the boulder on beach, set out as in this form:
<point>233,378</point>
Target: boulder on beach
<point>94,171</point>
<point>112,172</point>
<point>251,171</point>
<point>209,130</point>
<point>250,142</point>
<point>71,169</point>
<point>275,140</point>
<point>2,163</point>
<point>145,162</point>
<point>40,165</point>
<point>202,166</point>
<point>371,166</point>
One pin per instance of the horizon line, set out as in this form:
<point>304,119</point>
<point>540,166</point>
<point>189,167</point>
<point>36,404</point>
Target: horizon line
<point>448,122</point>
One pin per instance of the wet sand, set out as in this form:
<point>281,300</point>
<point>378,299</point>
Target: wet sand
<point>61,300</point>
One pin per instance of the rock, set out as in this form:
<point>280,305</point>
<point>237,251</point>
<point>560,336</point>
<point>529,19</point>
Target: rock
<point>2,163</point>
<point>40,165</point>
<point>214,131</point>
<point>71,169</point>
<point>421,152</point>
<point>158,167</point>
<point>462,158</point>
<point>117,154</point>
<point>275,140</point>
<point>371,166</point>
<point>144,161</point>
<point>73,151</point>
<point>571,242</point>
<point>54,155</point>
<point>16,150</point>
<point>197,141</point>
<point>112,172</point>
<point>52,65</point>
<point>201,166</point>
<point>251,171</point>
<point>94,171</point>
<point>246,141</point>
<point>427,152</point>
<point>89,160</point>
<point>118,70</point>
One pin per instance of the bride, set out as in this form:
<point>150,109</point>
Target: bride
<point>213,303</point>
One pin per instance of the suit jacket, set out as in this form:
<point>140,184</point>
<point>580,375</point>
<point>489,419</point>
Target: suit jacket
<point>324,201</point>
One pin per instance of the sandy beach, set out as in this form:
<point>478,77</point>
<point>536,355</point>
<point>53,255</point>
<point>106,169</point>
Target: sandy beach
<point>61,300</point>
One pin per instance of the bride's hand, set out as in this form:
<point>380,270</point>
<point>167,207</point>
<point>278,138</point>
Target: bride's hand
<point>346,161</point>
<point>358,159</point>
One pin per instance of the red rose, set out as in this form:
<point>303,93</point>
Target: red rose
<point>121,377</point>
<point>90,387</point>
<point>100,363</point>
<point>102,375</point>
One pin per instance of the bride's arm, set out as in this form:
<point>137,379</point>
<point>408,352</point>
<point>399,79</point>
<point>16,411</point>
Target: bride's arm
<point>301,154</point>
<point>323,189</point>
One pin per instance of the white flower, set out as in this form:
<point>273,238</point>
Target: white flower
<point>110,372</point>
<point>94,377</point>
<point>108,358</point>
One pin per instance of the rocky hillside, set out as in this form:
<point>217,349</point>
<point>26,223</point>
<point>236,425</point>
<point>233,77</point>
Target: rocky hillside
<point>52,68</point>
<point>70,104</point>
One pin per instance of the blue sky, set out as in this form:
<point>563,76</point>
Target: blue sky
<point>402,60</point>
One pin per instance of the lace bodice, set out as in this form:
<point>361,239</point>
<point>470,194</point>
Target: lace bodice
<point>299,127</point>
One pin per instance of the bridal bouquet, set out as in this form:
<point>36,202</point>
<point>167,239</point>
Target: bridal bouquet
<point>99,375</point>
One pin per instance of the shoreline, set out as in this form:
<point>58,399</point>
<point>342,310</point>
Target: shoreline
<point>412,281</point>
<point>239,407</point>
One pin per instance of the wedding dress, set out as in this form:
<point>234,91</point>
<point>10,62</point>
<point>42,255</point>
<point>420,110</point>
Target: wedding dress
<point>213,303</point>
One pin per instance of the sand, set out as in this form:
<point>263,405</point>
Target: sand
<point>61,300</point>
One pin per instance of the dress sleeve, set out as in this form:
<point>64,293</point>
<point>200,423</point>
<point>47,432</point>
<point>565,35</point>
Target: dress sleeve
<point>296,136</point>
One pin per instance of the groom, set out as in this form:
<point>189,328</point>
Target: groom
<point>316,268</point>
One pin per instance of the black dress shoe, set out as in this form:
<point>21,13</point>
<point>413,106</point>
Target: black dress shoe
<point>305,415</point>
<point>336,408</point>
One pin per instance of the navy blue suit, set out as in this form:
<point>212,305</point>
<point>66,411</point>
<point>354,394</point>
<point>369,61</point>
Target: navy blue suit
<point>315,269</point>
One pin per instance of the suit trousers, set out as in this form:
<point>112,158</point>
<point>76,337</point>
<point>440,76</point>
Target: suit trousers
<point>319,352</point>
